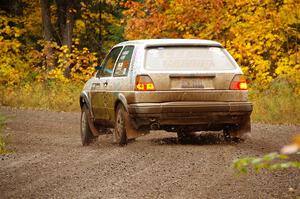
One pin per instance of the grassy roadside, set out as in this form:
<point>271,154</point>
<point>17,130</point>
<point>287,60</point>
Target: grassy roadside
<point>2,143</point>
<point>279,104</point>
<point>59,96</point>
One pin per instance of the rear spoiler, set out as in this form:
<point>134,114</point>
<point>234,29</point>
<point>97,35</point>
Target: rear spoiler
<point>150,46</point>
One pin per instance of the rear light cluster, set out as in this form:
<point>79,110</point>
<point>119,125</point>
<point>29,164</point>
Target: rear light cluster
<point>144,83</point>
<point>239,83</point>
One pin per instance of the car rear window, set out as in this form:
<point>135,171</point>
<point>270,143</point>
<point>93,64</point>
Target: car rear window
<point>188,58</point>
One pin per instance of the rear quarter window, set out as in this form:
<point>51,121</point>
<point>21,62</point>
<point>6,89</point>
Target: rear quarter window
<point>123,62</point>
<point>109,62</point>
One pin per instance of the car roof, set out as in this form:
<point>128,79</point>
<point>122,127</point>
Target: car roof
<point>170,42</point>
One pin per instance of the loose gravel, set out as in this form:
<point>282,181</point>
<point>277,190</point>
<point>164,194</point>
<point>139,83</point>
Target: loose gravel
<point>49,162</point>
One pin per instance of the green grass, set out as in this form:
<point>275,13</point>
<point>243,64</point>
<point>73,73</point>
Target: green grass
<point>2,143</point>
<point>51,95</point>
<point>279,104</point>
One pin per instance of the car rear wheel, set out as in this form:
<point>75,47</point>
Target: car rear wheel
<point>226,134</point>
<point>85,131</point>
<point>230,135</point>
<point>119,134</point>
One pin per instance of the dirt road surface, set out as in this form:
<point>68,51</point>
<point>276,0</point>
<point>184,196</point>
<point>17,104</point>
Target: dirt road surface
<point>49,162</point>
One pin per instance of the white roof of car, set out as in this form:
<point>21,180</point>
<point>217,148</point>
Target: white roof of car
<point>157,42</point>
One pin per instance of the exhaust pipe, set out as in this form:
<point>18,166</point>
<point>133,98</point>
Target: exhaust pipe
<point>155,126</point>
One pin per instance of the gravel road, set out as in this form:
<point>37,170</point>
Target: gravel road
<point>49,162</point>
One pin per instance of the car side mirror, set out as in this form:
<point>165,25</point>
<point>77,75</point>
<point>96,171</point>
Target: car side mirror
<point>99,71</point>
<point>98,67</point>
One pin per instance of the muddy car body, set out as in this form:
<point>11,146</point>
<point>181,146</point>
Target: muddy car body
<point>176,85</point>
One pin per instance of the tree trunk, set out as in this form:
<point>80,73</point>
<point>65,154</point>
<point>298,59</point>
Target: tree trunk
<point>65,16</point>
<point>46,20</point>
<point>61,18</point>
<point>67,36</point>
<point>100,23</point>
<point>47,33</point>
<point>68,31</point>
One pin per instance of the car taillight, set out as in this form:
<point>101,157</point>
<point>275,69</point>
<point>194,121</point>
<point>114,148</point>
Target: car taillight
<point>239,83</point>
<point>144,83</point>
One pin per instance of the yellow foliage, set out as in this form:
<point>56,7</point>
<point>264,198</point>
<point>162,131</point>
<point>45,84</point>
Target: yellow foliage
<point>12,66</point>
<point>263,36</point>
<point>81,62</point>
<point>19,65</point>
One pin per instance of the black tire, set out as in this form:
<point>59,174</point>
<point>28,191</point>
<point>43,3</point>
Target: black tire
<point>119,134</point>
<point>86,134</point>
<point>226,134</point>
<point>184,137</point>
<point>229,136</point>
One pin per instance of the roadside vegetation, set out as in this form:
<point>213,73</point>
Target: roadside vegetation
<point>50,95</point>
<point>2,143</point>
<point>286,159</point>
<point>278,104</point>
<point>272,161</point>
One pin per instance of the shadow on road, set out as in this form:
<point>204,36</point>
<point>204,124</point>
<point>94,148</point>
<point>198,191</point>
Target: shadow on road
<point>200,139</point>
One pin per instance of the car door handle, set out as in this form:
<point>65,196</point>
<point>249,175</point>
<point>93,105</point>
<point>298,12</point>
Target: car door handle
<point>96,86</point>
<point>105,83</point>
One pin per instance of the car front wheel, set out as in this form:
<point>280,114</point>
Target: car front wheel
<point>119,134</point>
<point>86,134</point>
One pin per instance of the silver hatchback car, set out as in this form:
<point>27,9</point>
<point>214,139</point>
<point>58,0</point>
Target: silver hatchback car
<point>177,85</point>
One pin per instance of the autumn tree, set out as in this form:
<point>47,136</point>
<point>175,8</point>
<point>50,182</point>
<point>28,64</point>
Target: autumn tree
<point>100,25</point>
<point>17,47</point>
<point>84,23</point>
<point>65,14</point>
<point>263,36</point>
<point>58,38</point>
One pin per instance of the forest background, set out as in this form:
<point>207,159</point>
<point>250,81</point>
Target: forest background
<point>49,48</point>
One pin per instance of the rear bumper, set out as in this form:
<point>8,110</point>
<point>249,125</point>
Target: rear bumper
<point>189,113</point>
